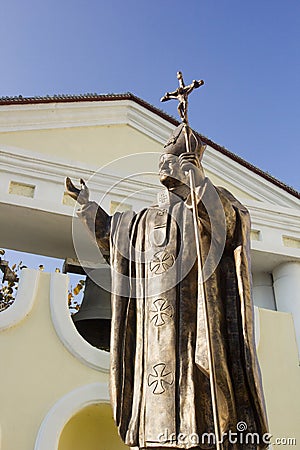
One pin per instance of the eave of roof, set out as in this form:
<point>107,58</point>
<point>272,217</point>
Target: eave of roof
<point>20,100</point>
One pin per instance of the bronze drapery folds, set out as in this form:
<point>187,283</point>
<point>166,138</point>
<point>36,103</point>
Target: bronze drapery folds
<point>160,380</point>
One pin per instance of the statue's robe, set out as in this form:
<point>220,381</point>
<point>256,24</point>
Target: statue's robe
<point>159,377</point>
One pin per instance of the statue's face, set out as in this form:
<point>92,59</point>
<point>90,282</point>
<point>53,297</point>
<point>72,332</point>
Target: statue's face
<point>170,173</point>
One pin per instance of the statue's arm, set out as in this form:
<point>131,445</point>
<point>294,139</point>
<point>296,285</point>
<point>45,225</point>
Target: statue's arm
<point>98,223</point>
<point>194,85</point>
<point>169,96</point>
<point>92,215</point>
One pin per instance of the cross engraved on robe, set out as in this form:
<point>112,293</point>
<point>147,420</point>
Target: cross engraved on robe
<point>161,312</point>
<point>160,378</point>
<point>161,262</point>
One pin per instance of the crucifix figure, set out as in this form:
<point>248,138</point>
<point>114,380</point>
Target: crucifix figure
<point>183,365</point>
<point>181,94</point>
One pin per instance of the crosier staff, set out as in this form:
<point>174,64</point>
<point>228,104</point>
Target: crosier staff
<point>181,94</point>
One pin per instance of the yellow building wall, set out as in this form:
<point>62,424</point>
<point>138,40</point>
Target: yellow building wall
<point>217,181</point>
<point>36,370</point>
<point>98,146</point>
<point>91,429</point>
<point>278,356</point>
<point>94,144</point>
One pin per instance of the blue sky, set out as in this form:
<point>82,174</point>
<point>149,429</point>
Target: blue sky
<point>247,53</point>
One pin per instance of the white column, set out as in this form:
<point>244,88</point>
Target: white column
<point>263,295</point>
<point>287,291</point>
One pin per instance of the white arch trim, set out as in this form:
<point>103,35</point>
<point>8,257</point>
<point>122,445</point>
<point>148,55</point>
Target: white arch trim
<point>65,408</point>
<point>66,330</point>
<point>26,294</point>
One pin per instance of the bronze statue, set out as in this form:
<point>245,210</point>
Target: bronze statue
<point>171,327</point>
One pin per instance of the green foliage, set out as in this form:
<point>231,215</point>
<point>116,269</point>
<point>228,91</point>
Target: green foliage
<point>10,282</point>
<point>73,304</point>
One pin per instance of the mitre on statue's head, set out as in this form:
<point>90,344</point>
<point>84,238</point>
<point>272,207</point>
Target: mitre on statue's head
<point>176,143</point>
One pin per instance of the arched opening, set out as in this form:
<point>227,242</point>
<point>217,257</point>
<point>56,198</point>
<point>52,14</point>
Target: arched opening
<point>66,330</point>
<point>80,420</point>
<point>93,319</point>
<point>91,428</point>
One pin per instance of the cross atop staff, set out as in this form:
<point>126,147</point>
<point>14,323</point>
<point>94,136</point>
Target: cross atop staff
<point>181,94</point>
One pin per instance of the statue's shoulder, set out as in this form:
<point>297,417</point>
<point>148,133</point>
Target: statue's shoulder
<point>232,199</point>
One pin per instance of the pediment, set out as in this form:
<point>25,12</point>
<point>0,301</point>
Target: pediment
<point>244,183</point>
<point>95,133</point>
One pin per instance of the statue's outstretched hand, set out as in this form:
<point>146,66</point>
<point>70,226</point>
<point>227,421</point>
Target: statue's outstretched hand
<point>80,195</point>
